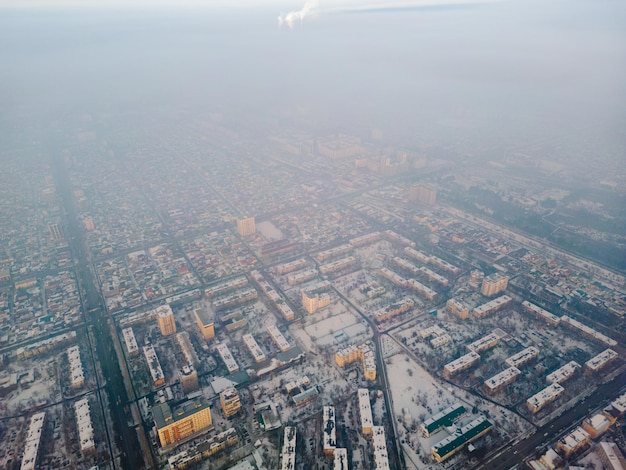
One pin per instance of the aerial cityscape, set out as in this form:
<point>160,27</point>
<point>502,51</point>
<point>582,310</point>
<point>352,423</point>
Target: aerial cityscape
<point>206,281</point>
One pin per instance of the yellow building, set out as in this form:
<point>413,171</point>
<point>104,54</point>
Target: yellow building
<point>165,317</point>
<point>246,226</point>
<point>494,284</point>
<point>457,308</point>
<point>230,401</point>
<point>313,302</point>
<point>187,419</point>
<point>361,353</point>
<point>205,324</point>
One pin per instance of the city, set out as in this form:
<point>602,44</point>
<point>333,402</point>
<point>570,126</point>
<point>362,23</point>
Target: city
<point>302,235</point>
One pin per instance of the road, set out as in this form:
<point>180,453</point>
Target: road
<point>515,454</point>
<point>95,315</point>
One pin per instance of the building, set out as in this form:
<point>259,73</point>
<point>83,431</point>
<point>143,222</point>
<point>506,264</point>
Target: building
<point>522,357</point>
<point>563,373</point>
<point>457,308</point>
<point>541,313</point>
<point>452,444</point>
<point>494,284</point>
<point>231,404</point>
<point>254,348</point>
<point>77,377</point>
<point>442,419</point>
<point>165,317</point>
<point>484,343</point>
<point>492,306</point>
<point>599,362</point>
<point>596,425</point>
<point>423,194</point>
<point>55,232</point>
<point>289,448</point>
<point>130,341</point>
<point>85,427</point>
<point>460,364</point>
<point>365,411</point>
<point>544,397</point>
<point>440,341</point>
<point>203,450</point>
<point>278,338</point>
<point>341,459</point>
<point>379,442</point>
<point>33,438</point>
<point>188,379</point>
<point>616,409</point>
<point>227,357</point>
<point>246,227</point>
<point>573,441</point>
<point>329,438</point>
<point>611,457</point>
<point>338,265</point>
<point>362,353</point>
<point>187,419</point>
<point>587,331</point>
<point>498,381</point>
<point>394,309</point>
<point>205,323</point>
<point>158,378</point>
<point>312,302</point>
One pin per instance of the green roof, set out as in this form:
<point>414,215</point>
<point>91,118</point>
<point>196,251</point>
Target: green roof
<point>444,418</point>
<point>454,442</point>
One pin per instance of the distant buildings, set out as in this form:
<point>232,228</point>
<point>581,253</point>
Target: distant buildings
<point>498,381</point>
<point>599,362</point>
<point>457,308</point>
<point>522,357</point>
<point>187,419</point>
<point>246,227</point>
<point>423,194</point>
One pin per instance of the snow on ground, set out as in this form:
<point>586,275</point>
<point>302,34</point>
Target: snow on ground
<point>416,396</point>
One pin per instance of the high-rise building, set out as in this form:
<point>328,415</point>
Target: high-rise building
<point>246,226</point>
<point>230,402</point>
<point>188,379</point>
<point>205,324</point>
<point>165,317</point>
<point>423,194</point>
<point>494,284</point>
<point>191,417</point>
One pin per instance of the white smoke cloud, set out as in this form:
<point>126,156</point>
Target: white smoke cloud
<point>291,18</point>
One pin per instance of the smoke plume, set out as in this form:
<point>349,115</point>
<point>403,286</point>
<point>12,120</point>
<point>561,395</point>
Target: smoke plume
<point>292,17</point>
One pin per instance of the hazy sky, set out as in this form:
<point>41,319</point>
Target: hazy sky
<point>497,67</point>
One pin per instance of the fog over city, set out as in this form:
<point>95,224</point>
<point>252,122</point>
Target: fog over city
<point>350,234</point>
